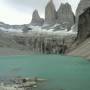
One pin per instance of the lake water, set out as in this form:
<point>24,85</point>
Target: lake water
<point>61,72</point>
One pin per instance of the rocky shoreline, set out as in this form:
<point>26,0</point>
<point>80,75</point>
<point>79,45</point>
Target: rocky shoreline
<point>20,83</point>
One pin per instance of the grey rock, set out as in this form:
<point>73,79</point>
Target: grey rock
<point>50,14</point>
<point>74,28</point>
<point>81,8</point>
<point>36,20</point>
<point>26,29</point>
<point>65,16</point>
<point>84,25</point>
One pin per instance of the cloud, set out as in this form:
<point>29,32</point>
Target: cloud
<point>25,5</point>
<point>10,16</point>
<point>20,11</point>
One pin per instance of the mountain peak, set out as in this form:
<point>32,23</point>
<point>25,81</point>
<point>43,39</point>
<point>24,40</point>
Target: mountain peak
<point>50,13</point>
<point>35,14</point>
<point>36,20</point>
<point>65,15</point>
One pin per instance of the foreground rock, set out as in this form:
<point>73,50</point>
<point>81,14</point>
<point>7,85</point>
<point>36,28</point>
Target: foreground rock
<point>81,7</point>
<point>65,16</point>
<point>36,20</point>
<point>84,25</point>
<point>82,45</point>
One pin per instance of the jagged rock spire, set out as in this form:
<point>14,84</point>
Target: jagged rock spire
<point>65,15</point>
<point>35,14</point>
<point>50,13</point>
<point>36,20</point>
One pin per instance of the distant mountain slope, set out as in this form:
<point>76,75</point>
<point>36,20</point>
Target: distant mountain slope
<point>11,28</point>
<point>7,26</point>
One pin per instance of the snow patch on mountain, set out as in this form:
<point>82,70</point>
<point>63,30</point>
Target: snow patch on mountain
<point>10,30</point>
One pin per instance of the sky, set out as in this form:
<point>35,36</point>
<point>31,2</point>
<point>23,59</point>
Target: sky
<point>20,11</point>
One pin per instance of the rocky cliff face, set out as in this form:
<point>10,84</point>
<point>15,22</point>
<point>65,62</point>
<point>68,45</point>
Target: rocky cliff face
<point>81,7</point>
<point>50,14</point>
<point>84,25</point>
<point>65,15</point>
<point>36,20</point>
<point>82,45</point>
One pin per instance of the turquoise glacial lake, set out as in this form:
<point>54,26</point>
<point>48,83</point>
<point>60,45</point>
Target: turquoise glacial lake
<point>61,72</point>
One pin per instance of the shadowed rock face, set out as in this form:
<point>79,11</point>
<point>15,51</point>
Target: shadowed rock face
<point>65,15</point>
<point>81,7</point>
<point>84,25</point>
<point>36,20</point>
<point>50,13</point>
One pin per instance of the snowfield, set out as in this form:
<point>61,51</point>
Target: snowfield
<point>37,30</point>
<point>10,30</point>
<point>52,32</point>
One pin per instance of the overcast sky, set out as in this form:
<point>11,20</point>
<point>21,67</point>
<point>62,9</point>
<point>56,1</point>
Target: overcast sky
<point>20,11</point>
